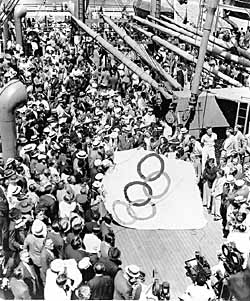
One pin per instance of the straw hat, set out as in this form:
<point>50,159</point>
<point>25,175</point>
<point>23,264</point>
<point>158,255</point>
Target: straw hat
<point>132,271</point>
<point>29,147</point>
<point>84,263</point>
<point>92,243</point>
<point>82,155</point>
<point>38,228</point>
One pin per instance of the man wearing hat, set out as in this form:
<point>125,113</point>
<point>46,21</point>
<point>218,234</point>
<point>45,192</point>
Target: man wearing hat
<point>47,200</point>
<point>27,270</point>
<point>101,286</point>
<point>125,284</point>
<point>112,263</point>
<point>80,165</point>
<point>34,243</point>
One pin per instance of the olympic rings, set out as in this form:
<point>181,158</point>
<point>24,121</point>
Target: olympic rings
<point>160,195</point>
<point>145,186</point>
<point>131,212</point>
<point>116,215</point>
<point>139,165</point>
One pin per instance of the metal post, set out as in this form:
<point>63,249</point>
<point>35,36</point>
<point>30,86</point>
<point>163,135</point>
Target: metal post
<point>19,13</point>
<point>212,6</point>
<point>153,8</point>
<point>158,9</point>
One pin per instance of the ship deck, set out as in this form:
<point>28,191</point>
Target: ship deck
<point>166,251</point>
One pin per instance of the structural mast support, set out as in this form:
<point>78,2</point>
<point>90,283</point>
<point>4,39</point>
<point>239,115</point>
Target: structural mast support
<point>173,84</point>
<point>211,9</point>
<point>212,39</point>
<point>155,8</point>
<point>120,56</point>
<point>187,56</point>
<point>213,49</point>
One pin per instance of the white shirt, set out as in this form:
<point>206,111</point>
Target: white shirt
<point>148,119</point>
<point>198,293</point>
<point>65,209</point>
<point>209,141</point>
<point>51,290</point>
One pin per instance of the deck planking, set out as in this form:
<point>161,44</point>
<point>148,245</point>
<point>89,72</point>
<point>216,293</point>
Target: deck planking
<point>166,251</point>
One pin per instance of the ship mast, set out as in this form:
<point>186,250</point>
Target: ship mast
<point>155,9</point>
<point>211,9</point>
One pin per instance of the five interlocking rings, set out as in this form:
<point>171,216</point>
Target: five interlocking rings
<point>147,189</point>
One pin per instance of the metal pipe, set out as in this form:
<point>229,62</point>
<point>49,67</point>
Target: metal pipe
<point>212,39</point>
<point>143,54</point>
<point>12,95</point>
<point>211,9</point>
<point>120,56</point>
<point>213,50</point>
<point>19,12</point>
<point>187,56</point>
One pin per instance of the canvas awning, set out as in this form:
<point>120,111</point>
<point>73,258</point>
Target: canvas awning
<point>232,94</point>
<point>207,113</point>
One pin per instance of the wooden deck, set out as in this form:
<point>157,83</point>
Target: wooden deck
<point>167,250</point>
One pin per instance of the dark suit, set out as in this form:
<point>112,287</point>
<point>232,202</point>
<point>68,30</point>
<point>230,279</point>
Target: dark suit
<point>111,268</point>
<point>70,253</point>
<point>101,287</point>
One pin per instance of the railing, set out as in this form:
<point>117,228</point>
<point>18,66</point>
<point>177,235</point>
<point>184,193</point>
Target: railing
<point>7,10</point>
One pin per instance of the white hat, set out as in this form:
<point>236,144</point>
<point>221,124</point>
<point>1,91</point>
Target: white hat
<point>184,130</point>
<point>29,147</point>
<point>106,163</point>
<point>96,142</point>
<point>92,243</point>
<point>97,162</point>
<point>239,198</point>
<point>84,263</point>
<point>57,266</point>
<point>81,155</point>
<point>10,161</point>
<point>132,270</point>
<point>96,184</point>
<point>16,190</point>
<point>113,135</point>
<point>38,228</point>
<point>239,183</point>
<point>99,176</point>
<point>41,157</point>
<point>230,179</point>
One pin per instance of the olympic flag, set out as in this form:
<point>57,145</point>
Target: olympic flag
<point>147,191</point>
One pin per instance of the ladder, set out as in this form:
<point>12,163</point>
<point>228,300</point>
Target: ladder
<point>7,10</point>
<point>242,114</point>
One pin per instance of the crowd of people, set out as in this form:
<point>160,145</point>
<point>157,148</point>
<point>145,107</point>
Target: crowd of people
<point>57,238</point>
